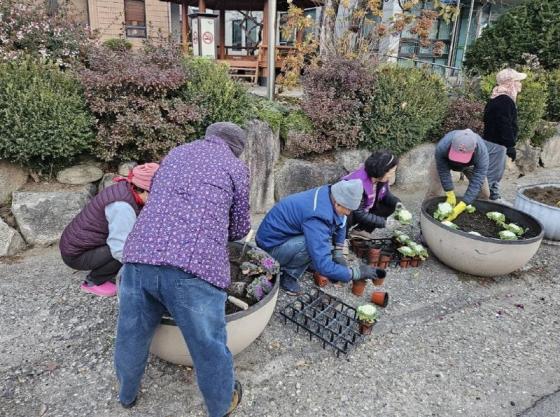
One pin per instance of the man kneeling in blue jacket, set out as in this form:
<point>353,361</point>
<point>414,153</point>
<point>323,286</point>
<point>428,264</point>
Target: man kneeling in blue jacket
<point>300,231</point>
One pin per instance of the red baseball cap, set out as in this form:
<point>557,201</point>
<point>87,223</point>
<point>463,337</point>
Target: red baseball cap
<point>462,146</point>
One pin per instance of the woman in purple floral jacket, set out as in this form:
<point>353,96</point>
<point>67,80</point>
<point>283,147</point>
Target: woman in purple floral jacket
<point>176,259</point>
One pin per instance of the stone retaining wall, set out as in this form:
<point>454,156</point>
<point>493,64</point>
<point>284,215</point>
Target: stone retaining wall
<point>42,214</point>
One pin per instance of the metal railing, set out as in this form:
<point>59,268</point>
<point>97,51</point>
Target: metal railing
<point>453,76</point>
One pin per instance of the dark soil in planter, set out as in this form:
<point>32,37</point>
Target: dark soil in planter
<point>478,222</point>
<point>546,195</point>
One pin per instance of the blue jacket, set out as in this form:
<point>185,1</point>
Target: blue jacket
<point>312,214</point>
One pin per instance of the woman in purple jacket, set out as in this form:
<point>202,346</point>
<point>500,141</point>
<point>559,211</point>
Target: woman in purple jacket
<point>378,202</point>
<point>176,259</point>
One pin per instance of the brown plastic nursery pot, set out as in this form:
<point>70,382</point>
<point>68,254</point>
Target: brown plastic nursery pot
<point>380,298</point>
<point>366,328</point>
<point>373,255</point>
<point>320,280</point>
<point>378,281</point>
<point>414,262</point>
<point>384,260</point>
<point>358,287</point>
<point>404,262</point>
<point>384,257</point>
<point>358,247</point>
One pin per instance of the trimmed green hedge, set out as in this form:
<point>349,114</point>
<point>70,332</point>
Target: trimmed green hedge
<point>406,105</point>
<point>531,28</point>
<point>44,121</point>
<point>553,108</point>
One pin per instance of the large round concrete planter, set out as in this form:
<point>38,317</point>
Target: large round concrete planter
<point>549,216</point>
<point>476,255</point>
<point>242,327</point>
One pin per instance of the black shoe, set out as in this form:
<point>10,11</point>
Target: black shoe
<point>132,404</point>
<point>236,400</point>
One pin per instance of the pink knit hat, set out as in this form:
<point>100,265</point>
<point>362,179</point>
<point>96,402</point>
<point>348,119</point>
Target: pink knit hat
<point>141,175</point>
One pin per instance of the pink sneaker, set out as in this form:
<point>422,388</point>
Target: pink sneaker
<point>107,289</point>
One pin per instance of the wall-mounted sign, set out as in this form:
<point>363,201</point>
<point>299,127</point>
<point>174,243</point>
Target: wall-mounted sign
<point>204,34</point>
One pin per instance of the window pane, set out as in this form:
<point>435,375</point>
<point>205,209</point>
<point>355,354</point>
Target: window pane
<point>135,18</point>
<point>236,34</point>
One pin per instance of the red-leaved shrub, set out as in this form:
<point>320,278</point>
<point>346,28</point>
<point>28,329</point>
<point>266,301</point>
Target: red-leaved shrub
<point>464,113</point>
<point>334,97</point>
<point>135,97</point>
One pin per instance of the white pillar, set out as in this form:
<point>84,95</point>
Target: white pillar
<point>271,49</point>
<point>389,44</point>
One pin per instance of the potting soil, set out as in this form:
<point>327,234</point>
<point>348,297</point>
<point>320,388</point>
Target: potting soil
<point>546,195</point>
<point>478,222</point>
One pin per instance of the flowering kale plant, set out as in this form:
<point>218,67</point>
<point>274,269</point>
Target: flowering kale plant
<point>261,268</point>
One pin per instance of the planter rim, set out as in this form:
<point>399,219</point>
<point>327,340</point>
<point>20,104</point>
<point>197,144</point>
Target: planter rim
<point>431,219</point>
<point>240,314</point>
<point>521,195</point>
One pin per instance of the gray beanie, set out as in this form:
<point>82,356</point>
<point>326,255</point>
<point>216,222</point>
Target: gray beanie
<point>230,133</point>
<point>348,193</point>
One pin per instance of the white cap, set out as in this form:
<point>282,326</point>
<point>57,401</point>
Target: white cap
<point>509,74</point>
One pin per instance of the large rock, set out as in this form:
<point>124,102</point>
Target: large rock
<point>42,215</point>
<point>350,160</point>
<point>125,168</point>
<point>79,175</point>
<point>12,178</point>
<point>261,153</point>
<point>528,158</point>
<point>106,181</point>
<point>296,175</point>
<point>11,241</point>
<point>414,165</point>
<point>511,171</point>
<point>550,156</point>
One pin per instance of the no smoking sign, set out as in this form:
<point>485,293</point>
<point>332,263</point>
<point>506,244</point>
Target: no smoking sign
<point>207,38</point>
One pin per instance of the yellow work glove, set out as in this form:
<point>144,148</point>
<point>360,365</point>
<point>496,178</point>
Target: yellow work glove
<point>459,208</point>
<point>451,199</point>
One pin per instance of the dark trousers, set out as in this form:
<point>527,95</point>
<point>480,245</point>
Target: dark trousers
<point>99,261</point>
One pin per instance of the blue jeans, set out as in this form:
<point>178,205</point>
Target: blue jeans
<point>292,256</point>
<point>145,292</point>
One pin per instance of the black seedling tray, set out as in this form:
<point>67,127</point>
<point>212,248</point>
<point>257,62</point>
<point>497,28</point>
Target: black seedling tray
<point>326,318</point>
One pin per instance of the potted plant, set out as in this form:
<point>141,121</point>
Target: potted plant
<point>420,254</point>
<point>358,287</point>
<point>367,316</point>
<point>384,260</point>
<point>400,238</point>
<point>402,215</point>
<point>379,279</point>
<point>373,256</point>
<point>407,253</point>
<point>359,247</point>
<point>320,280</point>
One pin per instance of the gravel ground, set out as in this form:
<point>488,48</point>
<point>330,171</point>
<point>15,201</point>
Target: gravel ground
<point>448,344</point>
